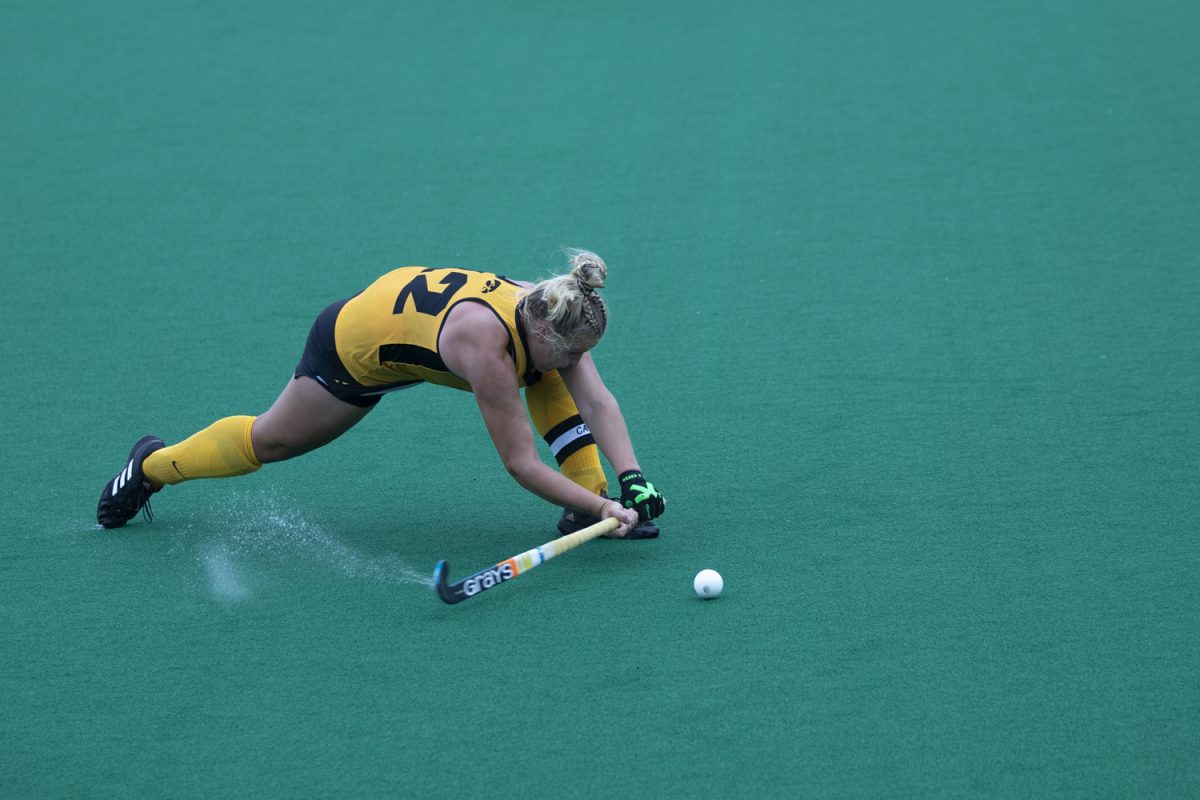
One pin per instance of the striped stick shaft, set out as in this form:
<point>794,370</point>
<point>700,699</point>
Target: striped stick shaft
<point>573,540</point>
<point>511,568</point>
<point>520,564</point>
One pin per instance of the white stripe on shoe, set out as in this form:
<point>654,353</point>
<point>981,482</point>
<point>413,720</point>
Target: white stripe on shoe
<point>122,478</point>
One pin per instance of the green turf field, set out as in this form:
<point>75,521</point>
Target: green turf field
<point>906,325</point>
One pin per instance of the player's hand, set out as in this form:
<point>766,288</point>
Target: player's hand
<point>640,495</point>
<point>626,517</point>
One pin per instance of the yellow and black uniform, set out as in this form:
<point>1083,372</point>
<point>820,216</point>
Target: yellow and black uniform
<point>386,338</point>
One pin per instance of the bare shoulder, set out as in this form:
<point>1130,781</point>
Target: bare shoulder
<point>471,337</point>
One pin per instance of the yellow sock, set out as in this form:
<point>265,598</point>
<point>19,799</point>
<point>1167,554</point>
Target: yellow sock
<point>221,450</point>
<point>583,467</point>
<point>557,419</point>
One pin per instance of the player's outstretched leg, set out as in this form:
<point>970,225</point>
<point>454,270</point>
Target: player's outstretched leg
<point>303,418</point>
<point>129,491</point>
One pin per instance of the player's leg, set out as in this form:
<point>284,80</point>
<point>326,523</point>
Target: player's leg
<point>557,419</point>
<point>304,417</point>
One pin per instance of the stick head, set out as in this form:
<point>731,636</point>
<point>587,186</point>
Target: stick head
<point>441,577</point>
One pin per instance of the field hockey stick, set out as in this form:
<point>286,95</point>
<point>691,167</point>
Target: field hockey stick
<point>517,565</point>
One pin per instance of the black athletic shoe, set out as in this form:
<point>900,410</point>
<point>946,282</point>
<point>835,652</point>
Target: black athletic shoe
<point>129,492</point>
<point>572,521</point>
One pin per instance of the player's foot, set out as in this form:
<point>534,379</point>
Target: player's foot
<point>129,492</point>
<point>572,521</point>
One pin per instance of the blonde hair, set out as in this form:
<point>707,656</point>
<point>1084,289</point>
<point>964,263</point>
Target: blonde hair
<point>571,312</point>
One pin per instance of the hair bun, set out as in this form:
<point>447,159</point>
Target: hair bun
<point>573,313</point>
<point>587,268</point>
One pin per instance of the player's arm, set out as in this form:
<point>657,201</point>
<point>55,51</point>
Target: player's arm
<point>601,412</point>
<point>603,416</point>
<point>477,352</point>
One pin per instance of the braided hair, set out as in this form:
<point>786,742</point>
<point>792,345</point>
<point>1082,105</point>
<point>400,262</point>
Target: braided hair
<point>574,314</point>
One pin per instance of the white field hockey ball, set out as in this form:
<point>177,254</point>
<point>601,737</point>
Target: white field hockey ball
<point>708,584</point>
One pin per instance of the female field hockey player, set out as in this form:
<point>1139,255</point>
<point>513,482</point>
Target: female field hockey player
<point>474,331</point>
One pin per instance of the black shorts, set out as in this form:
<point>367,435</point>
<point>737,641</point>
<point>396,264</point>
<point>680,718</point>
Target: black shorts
<point>322,363</point>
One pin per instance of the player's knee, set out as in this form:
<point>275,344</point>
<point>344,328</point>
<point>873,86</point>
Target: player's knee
<point>269,449</point>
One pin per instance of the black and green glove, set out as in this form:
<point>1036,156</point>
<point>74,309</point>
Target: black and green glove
<point>640,495</point>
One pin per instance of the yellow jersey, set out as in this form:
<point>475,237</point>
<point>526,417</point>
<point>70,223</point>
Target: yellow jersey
<point>387,335</point>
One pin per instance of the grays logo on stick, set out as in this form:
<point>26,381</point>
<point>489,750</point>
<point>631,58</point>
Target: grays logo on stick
<point>517,565</point>
<point>487,579</point>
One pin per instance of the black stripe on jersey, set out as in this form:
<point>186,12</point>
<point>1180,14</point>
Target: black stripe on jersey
<point>412,355</point>
<point>558,430</point>
<point>507,280</point>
